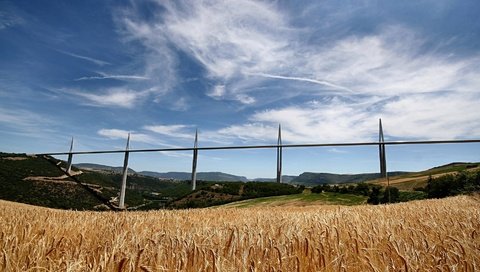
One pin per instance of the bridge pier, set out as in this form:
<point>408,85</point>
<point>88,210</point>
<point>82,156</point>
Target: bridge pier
<point>194,162</point>
<point>70,158</point>
<point>121,203</point>
<point>279,155</point>
<point>383,158</point>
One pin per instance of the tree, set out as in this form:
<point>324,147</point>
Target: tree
<point>362,189</point>
<point>300,189</point>
<point>390,195</point>
<point>317,189</point>
<point>441,187</point>
<point>374,197</point>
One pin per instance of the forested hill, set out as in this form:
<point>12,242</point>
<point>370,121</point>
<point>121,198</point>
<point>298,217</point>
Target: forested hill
<point>312,179</point>
<point>210,176</point>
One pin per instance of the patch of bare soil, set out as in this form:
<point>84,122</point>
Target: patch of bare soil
<point>14,158</point>
<point>58,180</point>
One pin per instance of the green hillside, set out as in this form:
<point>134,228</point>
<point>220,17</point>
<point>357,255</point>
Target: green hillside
<point>411,181</point>
<point>305,198</point>
<point>36,181</point>
<point>313,179</point>
<point>41,181</point>
<point>220,193</point>
<point>210,176</point>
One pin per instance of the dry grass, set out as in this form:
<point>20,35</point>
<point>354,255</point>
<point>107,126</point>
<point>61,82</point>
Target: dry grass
<point>431,235</point>
<point>410,181</point>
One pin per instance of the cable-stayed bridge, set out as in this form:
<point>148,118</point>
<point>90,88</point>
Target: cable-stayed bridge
<point>279,147</point>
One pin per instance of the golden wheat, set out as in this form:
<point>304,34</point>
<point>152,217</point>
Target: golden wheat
<point>430,235</point>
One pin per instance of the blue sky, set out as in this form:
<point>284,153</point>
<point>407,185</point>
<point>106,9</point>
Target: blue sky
<point>326,70</point>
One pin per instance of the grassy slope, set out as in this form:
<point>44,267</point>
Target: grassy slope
<point>304,199</point>
<point>36,181</point>
<point>61,193</point>
<point>419,179</point>
<point>67,195</point>
<point>405,182</point>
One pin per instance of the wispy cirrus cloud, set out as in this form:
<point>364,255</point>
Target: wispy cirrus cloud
<point>446,115</point>
<point>89,59</point>
<point>177,131</point>
<point>9,19</point>
<point>249,132</point>
<point>426,116</point>
<point>115,134</point>
<point>228,39</point>
<point>158,58</point>
<point>113,97</point>
<point>337,151</point>
<point>304,79</point>
<point>25,122</point>
<point>123,134</point>
<point>180,104</point>
<point>422,116</point>
<point>388,63</point>
<point>217,92</point>
<point>108,76</point>
<point>252,44</point>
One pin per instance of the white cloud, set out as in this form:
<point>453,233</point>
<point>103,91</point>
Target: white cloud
<point>217,92</point>
<point>389,72</point>
<point>123,134</point>
<point>447,115</point>
<point>89,59</point>
<point>235,41</point>
<point>245,99</point>
<point>338,151</point>
<point>119,77</point>
<point>142,137</point>
<point>178,131</point>
<point>328,121</point>
<point>180,104</point>
<point>227,38</point>
<point>158,58</point>
<point>114,97</point>
<point>114,133</point>
<point>26,121</point>
<point>427,116</point>
<point>176,154</point>
<point>249,132</point>
<point>8,18</point>
<point>315,81</point>
<point>387,63</point>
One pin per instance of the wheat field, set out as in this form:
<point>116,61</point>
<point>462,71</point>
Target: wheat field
<point>429,235</point>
